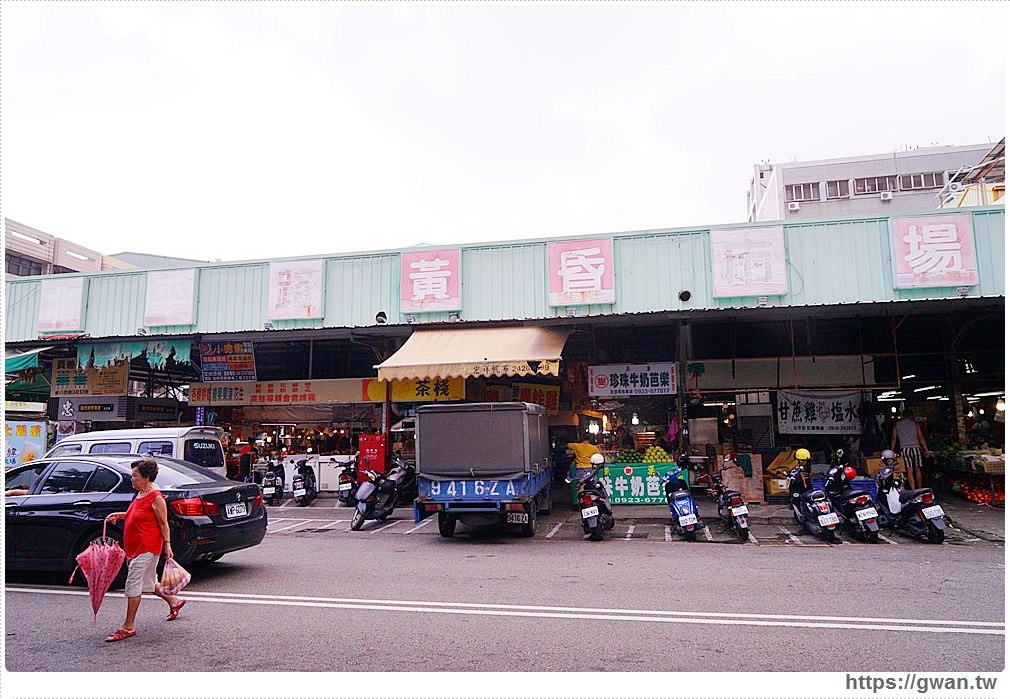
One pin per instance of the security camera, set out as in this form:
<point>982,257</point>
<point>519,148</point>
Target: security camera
<point>380,317</point>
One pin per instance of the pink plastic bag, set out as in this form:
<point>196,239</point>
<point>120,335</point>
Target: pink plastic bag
<point>173,578</point>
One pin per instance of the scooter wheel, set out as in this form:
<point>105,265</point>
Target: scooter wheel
<point>596,533</point>
<point>934,535</point>
<point>744,534</point>
<point>691,535</point>
<point>830,536</point>
<point>872,537</point>
<point>357,521</point>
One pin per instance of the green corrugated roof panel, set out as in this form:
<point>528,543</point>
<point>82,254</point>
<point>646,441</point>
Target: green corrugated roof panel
<point>115,304</point>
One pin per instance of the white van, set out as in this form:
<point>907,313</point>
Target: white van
<point>198,445</point>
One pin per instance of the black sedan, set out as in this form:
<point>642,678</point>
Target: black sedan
<point>69,497</point>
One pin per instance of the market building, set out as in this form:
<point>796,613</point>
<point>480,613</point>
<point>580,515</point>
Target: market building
<point>751,337</point>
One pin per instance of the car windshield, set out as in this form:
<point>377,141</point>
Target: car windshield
<point>173,473</point>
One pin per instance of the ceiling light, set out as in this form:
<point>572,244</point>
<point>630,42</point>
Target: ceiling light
<point>990,393</point>
<point>910,376</point>
<point>924,388</point>
<point>1001,405</point>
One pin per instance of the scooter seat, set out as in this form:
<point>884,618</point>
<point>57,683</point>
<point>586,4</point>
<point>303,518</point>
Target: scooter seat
<point>912,494</point>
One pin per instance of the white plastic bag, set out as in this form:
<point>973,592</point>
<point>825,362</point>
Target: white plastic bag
<point>173,578</point>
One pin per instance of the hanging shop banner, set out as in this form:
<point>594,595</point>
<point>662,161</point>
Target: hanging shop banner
<point>61,305</point>
<point>638,484</point>
<point>24,440</point>
<point>106,354</point>
<point>581,272</point>
<point>929,251</point>
<point>429,281</point>
<point>270,393</point>
<point>608,380</point>
<point>153,409</point>
<point>70,380</point>
<point>414,391</point>
<point>227,361</point>
<point>748,262</point>
<point>296,290</point>
<point>96,408</point>
<point>818,412</point>
<point>547,396</point>
<point>170,296</point>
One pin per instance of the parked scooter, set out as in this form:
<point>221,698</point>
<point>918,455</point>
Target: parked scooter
<point>910,511</point>
<point>303,484</point>
<point>347,482</point>
<point>273,482</point>
<point>811,508</point>
<point>597,514</point>
<point>379,495</point>
<point>683,508</point>
<point>858,514</point>
<point>732,508</point>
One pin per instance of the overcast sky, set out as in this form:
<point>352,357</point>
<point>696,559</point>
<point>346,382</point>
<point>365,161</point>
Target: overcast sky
<point>241,131</point>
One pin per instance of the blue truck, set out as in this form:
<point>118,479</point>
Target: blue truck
<point>483,464</point>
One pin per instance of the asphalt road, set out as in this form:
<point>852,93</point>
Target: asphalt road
<point>316,597</point>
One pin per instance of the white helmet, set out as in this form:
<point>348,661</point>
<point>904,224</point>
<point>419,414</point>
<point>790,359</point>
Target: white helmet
<point>888,455</point>
<point>596,459</point>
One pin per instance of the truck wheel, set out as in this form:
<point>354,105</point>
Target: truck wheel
<point>530,529</point>
<point>446,525</point>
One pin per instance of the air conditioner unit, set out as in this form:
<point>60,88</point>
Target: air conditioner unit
<point>793,206</point>
<point>886,196</point>
<point>955,187</point>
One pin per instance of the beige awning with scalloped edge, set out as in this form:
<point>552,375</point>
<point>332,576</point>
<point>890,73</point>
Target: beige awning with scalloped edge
<point>509,351</point>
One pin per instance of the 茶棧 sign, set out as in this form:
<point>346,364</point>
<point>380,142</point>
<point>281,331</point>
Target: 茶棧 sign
<point>581,272</point>
<point>748,262</point>
<point>414,390</point>
<point>818,412</point>
<point>656,379</point>
<point>429,281</point>
<point>930,251</point>
<point>227,361</point>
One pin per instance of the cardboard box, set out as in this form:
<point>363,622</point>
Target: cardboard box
<point>874,465</point>
<point>776,486</point>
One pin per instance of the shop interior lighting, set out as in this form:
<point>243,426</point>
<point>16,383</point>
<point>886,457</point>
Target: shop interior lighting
<point>938,398</point>
<point>594,428</point>
<point>990,393</point>
<point>894,408</point>
<point>720,404</point>
<point>634,419</point>
<point>924,388</point>
<point>910,376</point>
<point>891,399</point>
<point>1001,405</point>
<point>971,413</point>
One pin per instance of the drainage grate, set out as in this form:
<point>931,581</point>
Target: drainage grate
<point>636,535</point>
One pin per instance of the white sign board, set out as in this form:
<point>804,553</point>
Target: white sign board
<point>169,299</point>
<point>60,305</point>
<point>657,379</point>
<point>818,412</point>
<point>749,262</point>
<point>296,290</point>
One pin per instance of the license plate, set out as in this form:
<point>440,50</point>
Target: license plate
<point>932,512</point>
<point>737,511</point>
<point>593,511</point>
<point>517,518</point>
<point>686,520</point>
<point>868,513</point>
<point>825,520</point>
<point>344,487</point>
<point>300,492</point>
<point>235,509</point>
<point>268,491</point>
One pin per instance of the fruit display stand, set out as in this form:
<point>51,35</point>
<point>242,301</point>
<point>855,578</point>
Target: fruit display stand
<point>630,478</point>
<point>978,476</point>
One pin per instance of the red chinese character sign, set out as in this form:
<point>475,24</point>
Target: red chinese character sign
<point>581,272</point>
<point>749,262</point>
<point>429,281</point>
<point>930,251</point>
<point>296,290</point>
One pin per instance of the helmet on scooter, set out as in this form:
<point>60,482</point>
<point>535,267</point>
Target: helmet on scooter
<point>802,454</point>
<point>849,472</point>
<point>596,459</point>
<point>888,455</point>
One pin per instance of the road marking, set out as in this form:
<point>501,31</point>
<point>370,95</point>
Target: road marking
<point>422,524</point>
<point>792,537</point>
<point>751,539</point>
<point>285,504</point>
<point>708,534</point>
<point>296,524</point>
<point>638,615</point>
<point>330,524</point>
<point>554,531</point>
<point>668,533</point>
<point>393,524</point>
<point>631,530</point>
<point>892,542</point>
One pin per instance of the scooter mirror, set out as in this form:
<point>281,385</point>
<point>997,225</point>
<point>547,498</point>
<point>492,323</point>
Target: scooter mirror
<point>568,480</point>
<point>840,453</point>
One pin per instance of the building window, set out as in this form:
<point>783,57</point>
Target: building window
<point>22,266</point>
<point>60,269</point>
<point>810,191</point>
<point>873,185</point>
<point>838,189</point>
<point>926,180</point>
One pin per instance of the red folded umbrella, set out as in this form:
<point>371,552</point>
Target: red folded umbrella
<point>100,562</point>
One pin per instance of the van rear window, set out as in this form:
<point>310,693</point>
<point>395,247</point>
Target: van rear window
<point>204,452</point>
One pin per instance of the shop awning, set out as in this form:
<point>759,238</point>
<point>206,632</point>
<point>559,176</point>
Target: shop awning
<point>19,361</point>
<point>514,351</point>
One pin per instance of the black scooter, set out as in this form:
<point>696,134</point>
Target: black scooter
<point>273,482</point>
<point>858,514</point>
<point>347,482</point>
<point>731,506</point>
<point>914,512</point>
<point>597,515</point>
<point>379,495</point>
<point>303,484</point>
<point>812,508</point>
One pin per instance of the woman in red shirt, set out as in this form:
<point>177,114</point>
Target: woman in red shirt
<point>145,536</point>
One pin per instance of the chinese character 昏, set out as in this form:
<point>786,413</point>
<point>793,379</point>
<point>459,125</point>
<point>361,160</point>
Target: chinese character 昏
<point>580,272</point>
